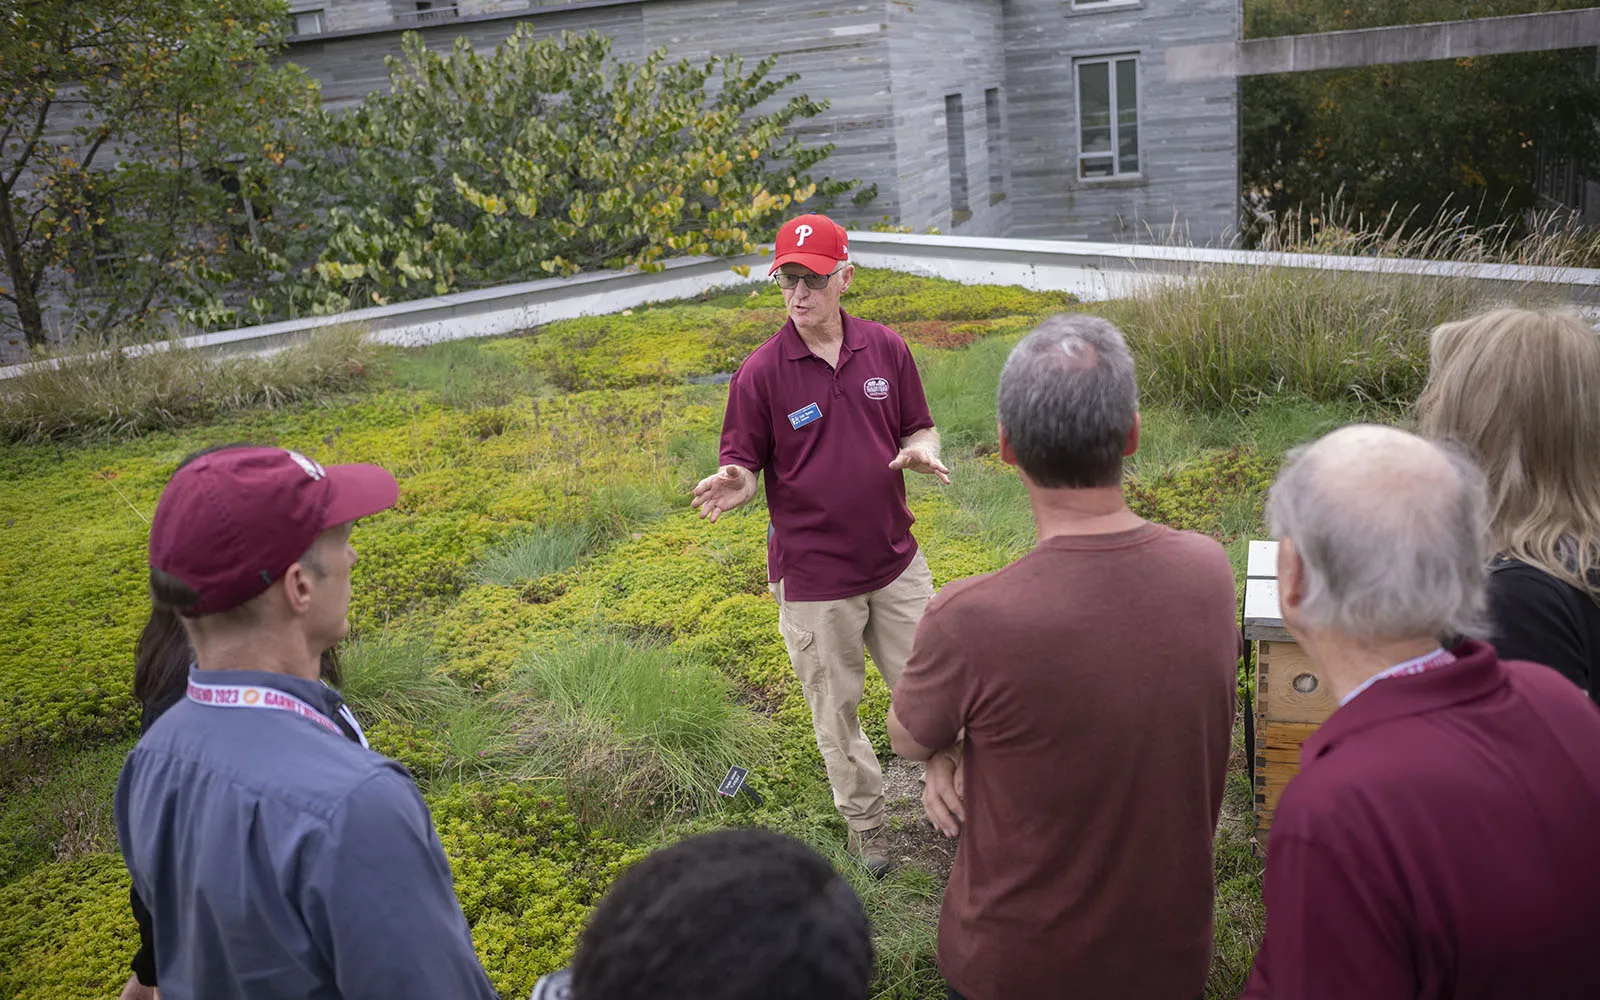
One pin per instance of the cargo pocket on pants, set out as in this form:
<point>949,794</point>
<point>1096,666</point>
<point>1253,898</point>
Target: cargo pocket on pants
<point>802,656</point>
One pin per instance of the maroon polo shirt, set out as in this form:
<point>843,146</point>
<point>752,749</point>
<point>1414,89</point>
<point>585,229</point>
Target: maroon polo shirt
<point>823,438</point>
<point>1441,841</point>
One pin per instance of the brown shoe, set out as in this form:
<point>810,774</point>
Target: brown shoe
<point>869,848</point>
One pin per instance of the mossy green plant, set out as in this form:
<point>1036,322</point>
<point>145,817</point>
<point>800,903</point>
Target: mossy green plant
<point>66,931</point>
<point>526,874</point>
<point>613,459</point>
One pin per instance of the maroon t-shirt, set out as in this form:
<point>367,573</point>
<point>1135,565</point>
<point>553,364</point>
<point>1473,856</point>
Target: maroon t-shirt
<point>823,438</point>
<point>1440,842</point>
<point>1095,678</point>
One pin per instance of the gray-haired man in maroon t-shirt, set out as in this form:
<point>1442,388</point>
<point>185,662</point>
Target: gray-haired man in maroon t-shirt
<point>831,410</point>
<point>1090,686</point>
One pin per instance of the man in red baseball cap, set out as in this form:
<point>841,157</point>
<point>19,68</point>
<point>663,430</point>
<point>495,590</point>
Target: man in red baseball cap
<point>831,410</point>
<point>276,857</point>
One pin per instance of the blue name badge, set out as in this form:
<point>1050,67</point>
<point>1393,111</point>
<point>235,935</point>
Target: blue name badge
<point>805,415</point>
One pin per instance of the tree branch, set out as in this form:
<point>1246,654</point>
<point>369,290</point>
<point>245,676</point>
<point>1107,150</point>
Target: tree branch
<point>94,147</point>
<point>27,150</point>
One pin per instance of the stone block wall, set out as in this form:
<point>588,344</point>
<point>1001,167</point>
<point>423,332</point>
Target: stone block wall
<point>1189,174</point>
<point>892,71</point>
<point>945,55</point>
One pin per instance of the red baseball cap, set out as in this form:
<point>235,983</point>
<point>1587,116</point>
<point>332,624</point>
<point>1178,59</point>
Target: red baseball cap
<point>813,241</point>
<point>233,521</point>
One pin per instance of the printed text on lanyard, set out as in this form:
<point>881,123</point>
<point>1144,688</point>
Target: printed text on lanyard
<point>252,696</point>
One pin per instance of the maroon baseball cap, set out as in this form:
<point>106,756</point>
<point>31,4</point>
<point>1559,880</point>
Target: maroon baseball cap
<point>233,521</point>
<point>814,241</point>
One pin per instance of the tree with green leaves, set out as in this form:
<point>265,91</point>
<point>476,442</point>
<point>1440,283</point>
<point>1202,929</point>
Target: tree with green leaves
<point>545,157</point>
<point>132,137</point>
<point>1414,139</point>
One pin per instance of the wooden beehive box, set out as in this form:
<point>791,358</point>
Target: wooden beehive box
<point>1290,699</point>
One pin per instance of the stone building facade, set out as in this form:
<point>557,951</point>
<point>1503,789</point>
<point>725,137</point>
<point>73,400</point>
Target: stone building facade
<point>1035,118</point>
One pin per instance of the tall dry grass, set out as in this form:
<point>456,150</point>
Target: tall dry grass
<point>124,392</point>
<point>1552,238</point>
<point>1235,338</point>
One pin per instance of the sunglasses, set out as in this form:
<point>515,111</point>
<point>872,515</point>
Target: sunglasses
<point>815,282</point>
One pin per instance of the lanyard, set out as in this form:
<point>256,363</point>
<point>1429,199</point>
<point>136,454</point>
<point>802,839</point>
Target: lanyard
<point>355,727</point>
<point>252,696</point>
<point>1420,665</point>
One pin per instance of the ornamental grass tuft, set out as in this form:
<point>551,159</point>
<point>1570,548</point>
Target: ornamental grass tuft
<point>635,730</point>
<point>1237,339</point>
<point>123,392</point>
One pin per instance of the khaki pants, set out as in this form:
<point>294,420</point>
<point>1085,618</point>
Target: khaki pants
<point>825,639</point>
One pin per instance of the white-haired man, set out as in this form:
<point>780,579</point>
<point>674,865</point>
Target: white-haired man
<point>830,410</point>
<point>1439,840</point>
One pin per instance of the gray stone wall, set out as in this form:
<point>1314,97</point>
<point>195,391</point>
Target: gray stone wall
<point>350,15</point>
<point>470,8</point>
<point>840,49</point>
<point>1188,131</point>
<point>939,50</point>
<point>888,68</point>
<point>351,67</point>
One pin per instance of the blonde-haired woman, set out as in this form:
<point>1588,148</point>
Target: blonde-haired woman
<point>1520,390</point>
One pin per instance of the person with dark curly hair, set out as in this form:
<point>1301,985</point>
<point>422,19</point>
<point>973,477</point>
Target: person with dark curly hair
<point>731,915</point>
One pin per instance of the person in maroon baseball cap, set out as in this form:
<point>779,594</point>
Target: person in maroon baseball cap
<point>277,857</point>
<point>831,411</point>
<point>235,522</point>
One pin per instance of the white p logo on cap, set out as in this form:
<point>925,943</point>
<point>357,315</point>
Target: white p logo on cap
<point>311,467</point>
<point>802,232</point>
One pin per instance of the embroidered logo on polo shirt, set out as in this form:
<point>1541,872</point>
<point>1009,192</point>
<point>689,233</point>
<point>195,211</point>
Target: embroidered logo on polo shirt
<point>877,388</point>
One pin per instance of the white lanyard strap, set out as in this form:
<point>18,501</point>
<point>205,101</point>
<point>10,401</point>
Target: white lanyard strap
<point>355,727</point>
<point>252,696</point>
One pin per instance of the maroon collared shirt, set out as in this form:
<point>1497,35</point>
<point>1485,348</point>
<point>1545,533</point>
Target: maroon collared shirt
<point>822,438</point>
<point>1440,841</point>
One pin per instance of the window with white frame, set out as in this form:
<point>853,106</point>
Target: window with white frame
<point>1108,116</point>
<point>307,22</point>
<point>1092,4</point>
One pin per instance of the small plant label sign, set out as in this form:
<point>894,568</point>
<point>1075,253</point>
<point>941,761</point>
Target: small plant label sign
<point>733,782</point>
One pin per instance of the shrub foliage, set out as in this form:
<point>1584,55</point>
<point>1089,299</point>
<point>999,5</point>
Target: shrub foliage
<point>548,158</point>
<point>135,138</point>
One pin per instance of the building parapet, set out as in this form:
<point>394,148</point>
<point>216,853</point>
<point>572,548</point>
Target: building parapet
<point>1091,271</point>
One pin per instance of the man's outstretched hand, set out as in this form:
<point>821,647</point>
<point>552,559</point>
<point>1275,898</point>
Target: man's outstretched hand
<point>730,487</point>
<point>920,458</point>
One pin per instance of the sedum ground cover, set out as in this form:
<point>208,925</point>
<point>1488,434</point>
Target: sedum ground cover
<point>563,654</point>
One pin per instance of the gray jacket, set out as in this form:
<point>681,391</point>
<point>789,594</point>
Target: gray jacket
<point>280,860</point>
